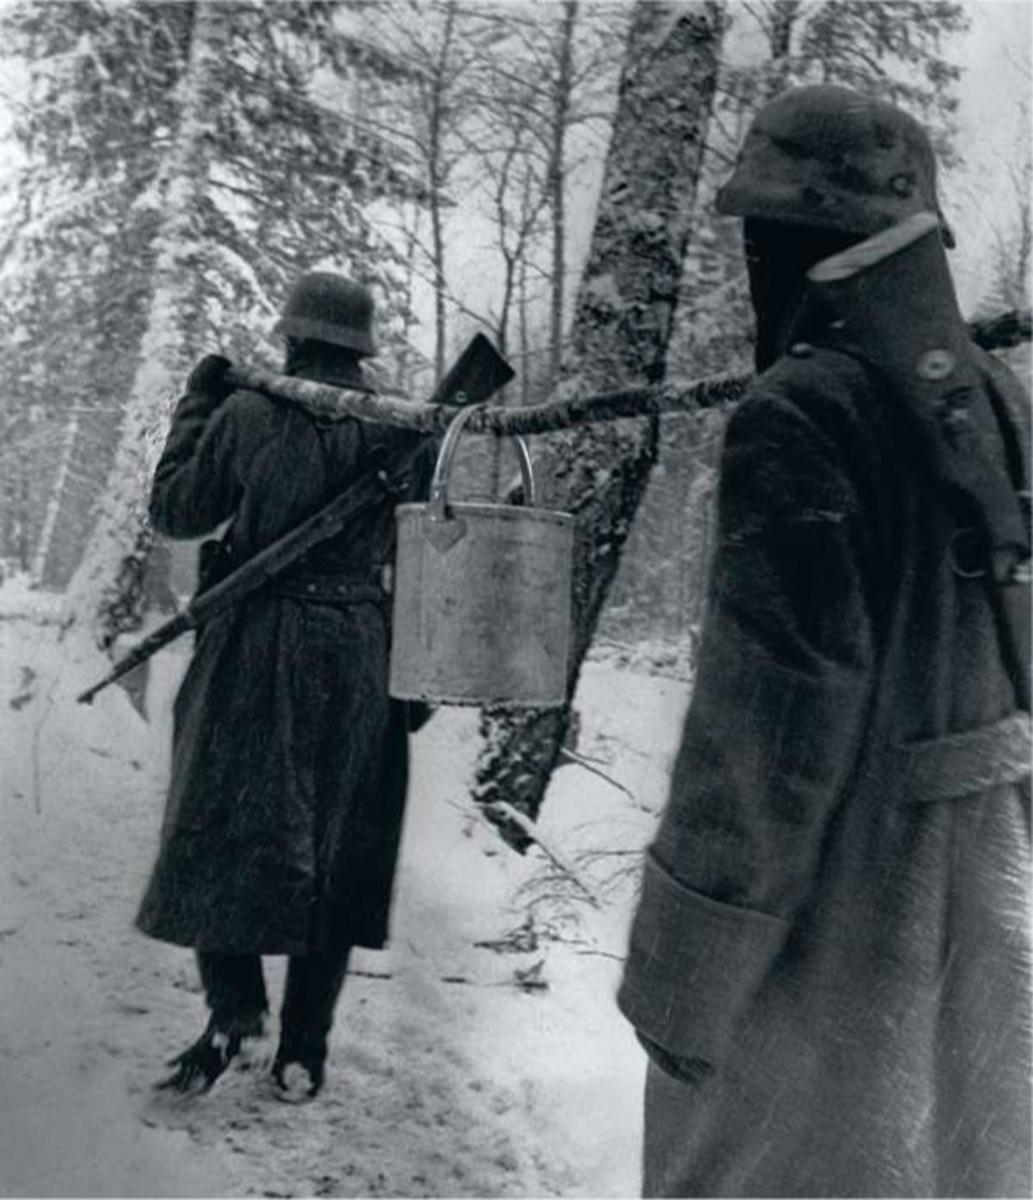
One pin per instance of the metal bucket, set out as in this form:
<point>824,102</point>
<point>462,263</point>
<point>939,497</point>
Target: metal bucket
<point>482,596</point>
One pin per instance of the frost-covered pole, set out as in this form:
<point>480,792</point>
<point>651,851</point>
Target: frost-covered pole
<point>105,588</point>
<point>568,407</point>
<point>622,324</point>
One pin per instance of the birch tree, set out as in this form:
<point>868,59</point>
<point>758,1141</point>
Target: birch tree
<point>290,177</point>
<point>113,565</point>
<point>622,325</point>
<point>71,248</point>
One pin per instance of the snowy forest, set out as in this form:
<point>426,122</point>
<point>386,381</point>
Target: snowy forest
<point>542,172</point>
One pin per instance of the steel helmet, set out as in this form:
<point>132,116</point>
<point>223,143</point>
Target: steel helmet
<point>832,158</point>
<point>329,308</point>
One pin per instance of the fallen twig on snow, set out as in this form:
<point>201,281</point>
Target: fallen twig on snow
<point>503,809</point>
<point>522,940</point>
<point>588,765</point>
<point>529,980</point>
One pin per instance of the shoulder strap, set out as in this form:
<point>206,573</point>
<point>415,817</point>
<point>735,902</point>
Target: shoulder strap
<point>1011,599</point>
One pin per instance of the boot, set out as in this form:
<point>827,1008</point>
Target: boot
<point>314,984</point>
<point>201,1064</point>
<point>300,1050</point>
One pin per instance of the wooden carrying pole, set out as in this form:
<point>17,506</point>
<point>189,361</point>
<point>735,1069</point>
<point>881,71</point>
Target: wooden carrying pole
<point>435,418</point>
<point>674,396</point>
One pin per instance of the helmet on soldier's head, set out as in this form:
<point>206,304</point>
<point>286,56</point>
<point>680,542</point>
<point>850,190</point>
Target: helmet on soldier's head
<point>329,308</point>
<point>831,158</point>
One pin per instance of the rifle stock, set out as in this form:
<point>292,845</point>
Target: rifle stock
<point>478,373</point>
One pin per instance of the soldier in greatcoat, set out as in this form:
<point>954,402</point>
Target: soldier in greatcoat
<point>830,962</point>
<point>289,762</point>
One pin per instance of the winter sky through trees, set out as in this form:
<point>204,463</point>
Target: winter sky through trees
<point>993,126</point>
<point>447,151</point>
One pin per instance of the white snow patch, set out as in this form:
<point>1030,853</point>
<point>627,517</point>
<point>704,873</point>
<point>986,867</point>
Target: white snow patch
<point>447,1076</point>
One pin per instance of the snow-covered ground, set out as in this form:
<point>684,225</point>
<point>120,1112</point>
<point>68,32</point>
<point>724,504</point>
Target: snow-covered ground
<point>456,1069</point>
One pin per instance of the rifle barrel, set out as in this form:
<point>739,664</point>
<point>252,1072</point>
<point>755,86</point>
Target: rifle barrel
<point>479,372</point>
<point>140,653</point>
<point>257,570</point>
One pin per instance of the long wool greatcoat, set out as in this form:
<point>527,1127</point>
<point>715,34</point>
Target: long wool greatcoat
<point>831,957</point>
<point>289,764</point>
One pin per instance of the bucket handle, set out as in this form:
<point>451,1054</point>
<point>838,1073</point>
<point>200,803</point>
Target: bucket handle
<point>436,509</point>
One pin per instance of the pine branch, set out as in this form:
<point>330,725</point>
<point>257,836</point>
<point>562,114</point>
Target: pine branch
<point>587,764</point>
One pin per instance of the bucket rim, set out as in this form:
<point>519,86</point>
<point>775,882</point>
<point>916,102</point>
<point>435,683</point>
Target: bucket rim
<point>468,701</point>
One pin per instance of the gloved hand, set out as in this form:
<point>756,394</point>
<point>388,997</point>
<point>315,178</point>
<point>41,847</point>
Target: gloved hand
<point>209,378</point>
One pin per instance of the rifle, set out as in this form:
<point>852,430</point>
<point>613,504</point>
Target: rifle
<point>477,374</point>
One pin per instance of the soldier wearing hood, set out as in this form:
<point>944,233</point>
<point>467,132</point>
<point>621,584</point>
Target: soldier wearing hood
<point>289,762</point>
<point>830,963</point>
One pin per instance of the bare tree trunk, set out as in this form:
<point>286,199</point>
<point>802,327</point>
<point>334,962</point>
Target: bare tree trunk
<point>525,337</point>
<point>783,18</point>
<point>409,320</point>
<point>514,272</point>
<point>8,494</point>
<point>24,523</point>
<point>557,181</point>
<point>12,474</point>
<point>57,496</point>
<point>110,577</point>
<point>438,250</point>
<point>784,14</point>
<point>435,153</point>
<point>621,329</point>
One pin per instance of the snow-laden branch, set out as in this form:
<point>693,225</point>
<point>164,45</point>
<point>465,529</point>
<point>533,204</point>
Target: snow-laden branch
<point>537,418</point>
<point>673,396</point>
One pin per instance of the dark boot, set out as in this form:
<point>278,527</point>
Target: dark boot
<point>314,983</point>
<point>235,992</point>
<point>201,1064</point>
<point>304,1050</point>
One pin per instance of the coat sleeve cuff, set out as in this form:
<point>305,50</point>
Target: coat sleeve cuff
<point>693,966</point>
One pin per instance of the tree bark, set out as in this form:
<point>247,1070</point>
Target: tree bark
<point>109,580</point>
<point>435,151</point>
<point>562,410</point>
<point>525,337</point>
<point>621,328</point>
<point>557,182</point>
<point>57,497</point>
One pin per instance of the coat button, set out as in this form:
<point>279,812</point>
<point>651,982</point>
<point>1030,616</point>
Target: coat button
<point>801,349</point>
<point>936,364</point>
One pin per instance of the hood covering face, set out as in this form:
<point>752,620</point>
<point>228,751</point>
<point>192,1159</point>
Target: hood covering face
<point>778,258</point>
<point>321,362</point>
